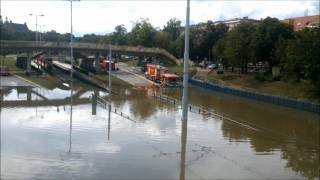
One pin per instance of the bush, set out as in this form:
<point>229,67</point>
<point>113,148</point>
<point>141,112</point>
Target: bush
<point>220,72</point>
<point>260,77</point>
<point>276,78</point>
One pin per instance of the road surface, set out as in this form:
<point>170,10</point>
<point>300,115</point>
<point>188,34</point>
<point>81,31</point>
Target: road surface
<point>131,76</point>
<point>13,81</point>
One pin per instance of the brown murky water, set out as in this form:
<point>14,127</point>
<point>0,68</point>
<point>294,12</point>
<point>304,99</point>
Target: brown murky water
<point>39,139</point>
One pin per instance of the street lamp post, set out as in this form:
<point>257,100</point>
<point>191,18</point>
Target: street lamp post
<point>71,42</point>
<point>185,67</point>
<point>109,73</point>
<point>71,62</point>
<point>36,15</point>
<point>40,31</point>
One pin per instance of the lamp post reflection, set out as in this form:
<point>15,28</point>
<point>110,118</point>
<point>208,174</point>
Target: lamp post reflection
<point>94,111</point>
<point>184,129</point>
<point>70,130</point>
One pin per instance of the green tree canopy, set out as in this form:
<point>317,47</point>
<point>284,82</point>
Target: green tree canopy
<point>237,45</point>
<point>173,27</point>
<point>119,36</point>
<point>142,33</point>
<point>269,33</point>
<point>302,58</point>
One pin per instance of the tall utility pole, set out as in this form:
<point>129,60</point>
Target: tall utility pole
<point>71,43</point>
<point>109,73</point>
<point>185,67</point>
<point>71,70</point>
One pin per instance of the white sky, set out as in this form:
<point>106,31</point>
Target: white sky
<point>101,17</point>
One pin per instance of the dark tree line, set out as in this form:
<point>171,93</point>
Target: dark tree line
<point>296,53</point>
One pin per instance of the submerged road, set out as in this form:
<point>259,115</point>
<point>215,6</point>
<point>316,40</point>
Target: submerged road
<point>129,75</point>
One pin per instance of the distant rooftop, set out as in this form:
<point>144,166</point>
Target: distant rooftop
<point>303,22</point>
<point>236,20</point>
<point>232,23</point>
<point>16,26</point>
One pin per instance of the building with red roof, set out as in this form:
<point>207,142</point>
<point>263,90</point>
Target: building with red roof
<point>300,23</point>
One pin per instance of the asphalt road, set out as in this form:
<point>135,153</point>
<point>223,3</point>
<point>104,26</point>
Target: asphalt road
<point>129,75</point>
<point>13,81</point>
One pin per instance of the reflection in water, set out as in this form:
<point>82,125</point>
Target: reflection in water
<point>94,111</point>
<point>109,119</point>
<point>286,139</point>
<point>184,129</point>
<point>301,156</point>
<point>71,113</point>
<point>70,132</point>
<point>93,105</point>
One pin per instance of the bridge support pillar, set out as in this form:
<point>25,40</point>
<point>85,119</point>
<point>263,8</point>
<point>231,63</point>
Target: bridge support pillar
<point>49,53</point>
<point>97,63</point>
<point>28,93</point>
<point>29,56</point>
<point>61,57</point>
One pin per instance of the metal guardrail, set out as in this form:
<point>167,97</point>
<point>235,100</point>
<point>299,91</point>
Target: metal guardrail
<point>166,99</point>
<point>279,100</point>
<point>210,113</point>
<point>200,110</point>
<point>106,105</point>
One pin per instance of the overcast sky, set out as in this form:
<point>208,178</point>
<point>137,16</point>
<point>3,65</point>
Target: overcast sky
<point>101,17</point>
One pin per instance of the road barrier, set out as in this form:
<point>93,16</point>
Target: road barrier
<point>97,100</point>
<point>279,100</point>
<point>166,98</point>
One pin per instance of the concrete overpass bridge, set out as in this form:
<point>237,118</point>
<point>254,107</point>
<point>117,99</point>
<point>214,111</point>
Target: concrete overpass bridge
<point>97,49</point>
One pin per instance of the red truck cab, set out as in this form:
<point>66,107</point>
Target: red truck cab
<point>104,64</point>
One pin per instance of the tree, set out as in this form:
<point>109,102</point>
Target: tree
<point>237,45</point>
<point>173,27</point>
<point>163,40</point>
<point>142,33</point>
<point>270,33</point>
<point>204,36</point>
<point>90,38</point>
<point>219,52</point>
<point>302,58</point>
<point>119,35</point>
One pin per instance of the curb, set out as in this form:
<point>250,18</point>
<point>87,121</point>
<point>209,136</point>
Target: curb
<point>34,84</point>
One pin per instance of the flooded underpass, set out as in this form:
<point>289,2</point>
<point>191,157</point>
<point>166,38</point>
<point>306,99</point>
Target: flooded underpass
<point>42,138</point>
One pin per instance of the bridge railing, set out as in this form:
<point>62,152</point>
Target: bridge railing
<point>80,45</point>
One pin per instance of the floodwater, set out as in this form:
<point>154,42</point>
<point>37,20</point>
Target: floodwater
<point>42,137</point>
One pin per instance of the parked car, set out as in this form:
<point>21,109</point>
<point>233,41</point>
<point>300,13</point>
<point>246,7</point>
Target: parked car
<point>212,66</point>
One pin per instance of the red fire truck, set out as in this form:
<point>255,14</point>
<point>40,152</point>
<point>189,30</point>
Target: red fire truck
<point>104,64</point>
<point>43,62</point>
<point>157,73</point>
